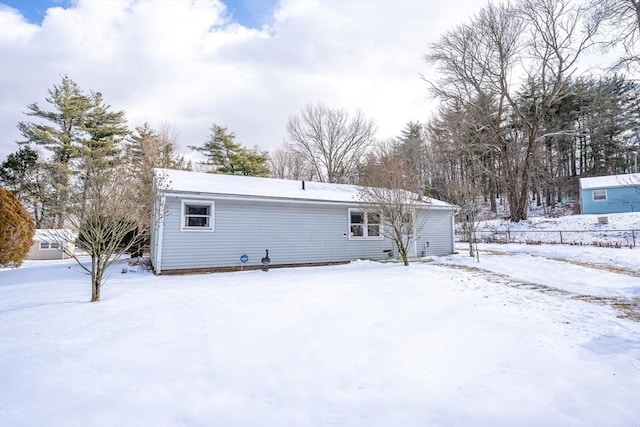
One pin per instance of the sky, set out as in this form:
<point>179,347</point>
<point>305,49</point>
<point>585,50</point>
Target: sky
<point>246,65</point>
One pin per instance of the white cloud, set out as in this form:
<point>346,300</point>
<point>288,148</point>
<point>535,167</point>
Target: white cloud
<point>187,64</point>
<point>13,27</point>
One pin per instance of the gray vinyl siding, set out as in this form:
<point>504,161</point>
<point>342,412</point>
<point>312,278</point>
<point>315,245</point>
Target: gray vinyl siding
<point>35,253</point>
<point>434,234</point>
<point>293,232</point>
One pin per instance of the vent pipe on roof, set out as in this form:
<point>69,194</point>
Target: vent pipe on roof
<point>303,184</point>
<point>420,193</point>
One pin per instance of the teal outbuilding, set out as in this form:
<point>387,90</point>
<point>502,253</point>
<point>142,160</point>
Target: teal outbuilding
<point>610,194</point>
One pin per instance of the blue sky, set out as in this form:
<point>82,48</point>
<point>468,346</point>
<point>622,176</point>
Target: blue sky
<point>250,13</point>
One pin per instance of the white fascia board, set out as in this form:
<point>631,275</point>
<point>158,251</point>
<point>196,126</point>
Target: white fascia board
<point>209,196</point>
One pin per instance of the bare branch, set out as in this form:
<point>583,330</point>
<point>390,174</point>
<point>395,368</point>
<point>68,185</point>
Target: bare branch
<point>330,141</point>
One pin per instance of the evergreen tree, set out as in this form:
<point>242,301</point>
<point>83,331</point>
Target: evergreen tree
<point>83,137</point>
<point>59,131</point>
<point>226,156</point>
<point>101,147</point>
<point>411,147</point>
<point>29,179</point>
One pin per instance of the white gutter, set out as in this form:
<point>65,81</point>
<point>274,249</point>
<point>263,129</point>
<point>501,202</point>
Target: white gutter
<point>160,238</point>
<point>288,200</point>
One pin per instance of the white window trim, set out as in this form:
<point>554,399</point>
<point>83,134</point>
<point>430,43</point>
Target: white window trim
<point>365,228</point>
<point>48,248</point>
<point>212,211</point>
<point>593,195</point>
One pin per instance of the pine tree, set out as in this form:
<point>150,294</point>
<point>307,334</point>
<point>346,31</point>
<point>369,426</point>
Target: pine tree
<point>83,137</point>
<point>29,179</point>
<point>100,149</point>
<point>60,131</point>
<point>226,156</point>
<point>411,147</point>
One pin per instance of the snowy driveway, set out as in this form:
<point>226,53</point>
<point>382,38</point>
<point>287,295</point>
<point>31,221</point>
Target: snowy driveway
<point>604,275</point>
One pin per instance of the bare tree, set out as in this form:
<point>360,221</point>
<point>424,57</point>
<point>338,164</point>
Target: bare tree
<point>106,226</point>
<point>621,23</point>
<point>490,67</point>
<point>389,188</point>
<point>148,149</point>
<point>330,141</point>
<point>285,163</point>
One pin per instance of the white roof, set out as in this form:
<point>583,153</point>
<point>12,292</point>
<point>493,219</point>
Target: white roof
<point>610,181</point>
<point>251,186</point>
<point>52,235</point>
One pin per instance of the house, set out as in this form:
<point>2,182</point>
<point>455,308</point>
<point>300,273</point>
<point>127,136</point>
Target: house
<point>212,222</point>
<point>610,194</point>
<point>50,244</point>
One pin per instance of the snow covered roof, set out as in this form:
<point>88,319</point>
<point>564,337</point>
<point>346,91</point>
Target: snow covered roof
<point>251,186</point>
<point>610,181</point>
<point>52,235</point>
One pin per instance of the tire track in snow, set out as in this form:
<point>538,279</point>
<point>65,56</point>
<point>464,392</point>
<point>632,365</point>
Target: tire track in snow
<point>595,265</point>
<point>627,307</point>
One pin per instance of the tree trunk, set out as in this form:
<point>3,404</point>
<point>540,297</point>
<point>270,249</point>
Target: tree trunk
<point>405,258</point>
<point>469,229</point>
<point>95,290</point>
<point>96,279</point>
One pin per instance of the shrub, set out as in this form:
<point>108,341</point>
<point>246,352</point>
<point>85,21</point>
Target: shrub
<point>16,230</point>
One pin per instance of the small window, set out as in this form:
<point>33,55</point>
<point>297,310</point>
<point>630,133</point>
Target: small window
<point>45,246</point>
<point>197,215</point>
<point>599,194</point>
<point>364,225</point>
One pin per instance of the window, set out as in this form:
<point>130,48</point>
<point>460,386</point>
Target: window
<point>49,245</point>
<point>197,215</point>
<point>364,225</point>
<point>373,225</point>
<point>356,224</point>
<point>599,194</point>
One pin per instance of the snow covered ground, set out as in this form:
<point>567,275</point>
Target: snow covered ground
<point>443,342</point>
<point>619,229</point>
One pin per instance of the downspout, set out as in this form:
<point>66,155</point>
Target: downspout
<point>453,231</point>
<point>160,237</point>
<point>415,214</point>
